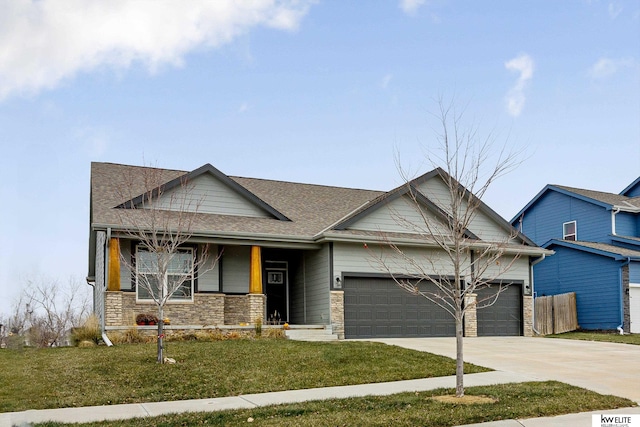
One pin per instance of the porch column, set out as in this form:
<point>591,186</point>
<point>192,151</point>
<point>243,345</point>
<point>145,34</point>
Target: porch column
<point>114,264</point>
<point>255,278</point>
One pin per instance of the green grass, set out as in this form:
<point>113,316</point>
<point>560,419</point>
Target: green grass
<point>71,377</point>
<point>526,400</point>
<point>600,336</point>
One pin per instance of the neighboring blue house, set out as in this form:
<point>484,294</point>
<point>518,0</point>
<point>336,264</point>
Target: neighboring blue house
<point>596,239</point>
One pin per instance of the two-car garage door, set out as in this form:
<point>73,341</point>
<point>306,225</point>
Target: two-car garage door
<point>377,308</point>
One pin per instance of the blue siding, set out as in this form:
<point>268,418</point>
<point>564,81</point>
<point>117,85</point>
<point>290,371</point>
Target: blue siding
<point>595,280</point>
<point>543,221</point>
<point>634,272</point>
<point>627,224</point>
<point>633,191</point>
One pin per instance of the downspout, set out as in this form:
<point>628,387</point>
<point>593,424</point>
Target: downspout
<point>614,211</point>
<point>619,328</point>
<point>533,312</point>
<point>105,338</point>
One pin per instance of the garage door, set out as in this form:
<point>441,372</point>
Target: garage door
<point>378,308</point>
<point>634,307</point>
<point>505,316</point>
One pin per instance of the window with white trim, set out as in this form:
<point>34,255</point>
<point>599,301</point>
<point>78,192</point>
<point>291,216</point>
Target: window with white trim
<point>179,273</point>
<point>570,231</point>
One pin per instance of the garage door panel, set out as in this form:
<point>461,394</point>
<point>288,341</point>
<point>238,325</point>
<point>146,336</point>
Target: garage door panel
<point>634,307</point>
<point>406,315</point>
<point>377,307</point>
<point>504,317</point>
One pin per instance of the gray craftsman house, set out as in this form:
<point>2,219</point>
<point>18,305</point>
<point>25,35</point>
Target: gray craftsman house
<point>297,253</point>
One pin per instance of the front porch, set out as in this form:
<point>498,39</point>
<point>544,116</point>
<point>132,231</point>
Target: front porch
<point>217,310</point>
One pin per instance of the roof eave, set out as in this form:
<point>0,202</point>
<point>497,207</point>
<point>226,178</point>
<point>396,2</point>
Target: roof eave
<point>382,239</point>
<point>221,237</point>
<point>595,251</point>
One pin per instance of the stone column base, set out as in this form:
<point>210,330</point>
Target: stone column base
<point>471,316</point>
<point>337,313</point>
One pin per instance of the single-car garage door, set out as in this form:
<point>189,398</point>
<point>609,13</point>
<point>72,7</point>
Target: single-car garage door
<point>502,318</point>
<point>634,307</point>
<point>378,308</point>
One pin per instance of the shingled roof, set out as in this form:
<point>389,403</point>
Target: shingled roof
<point>295,212</point>
<point>606,200</point>
<point>604,197</point>
<point>597,248</point>
<point>310,208</point>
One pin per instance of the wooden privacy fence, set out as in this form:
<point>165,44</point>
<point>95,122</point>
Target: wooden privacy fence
<point>556,314</point>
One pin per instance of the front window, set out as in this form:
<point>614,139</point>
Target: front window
<point>159,274</point>
<point>569,231</point>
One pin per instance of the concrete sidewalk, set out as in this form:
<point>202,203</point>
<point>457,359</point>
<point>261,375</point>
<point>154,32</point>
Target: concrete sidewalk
<point>116,412</point>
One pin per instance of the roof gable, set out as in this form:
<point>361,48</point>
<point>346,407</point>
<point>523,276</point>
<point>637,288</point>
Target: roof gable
<point>397,213</point>
<point>633,189</point>
<point>597,198</point>
<point>430,195</point>
<point>561,190</point>
<point>209,191</point>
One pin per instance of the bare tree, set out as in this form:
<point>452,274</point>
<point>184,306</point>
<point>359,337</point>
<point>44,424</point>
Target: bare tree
<point>160,216</point>
<point>463,263</point>
<point>46,311</point>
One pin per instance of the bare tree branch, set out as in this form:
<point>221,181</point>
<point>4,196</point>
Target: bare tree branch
<point>161,221</point>
<point>463,264</point>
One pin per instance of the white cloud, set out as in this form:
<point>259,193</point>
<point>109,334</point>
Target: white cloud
<point>614,10</point>
<point>43,42</point>
<point>244,107</point>
<point>95,140</point>
<point>410,7</point>
<point>522,64</point>
<point>386,80</point>
<point>606,67</point>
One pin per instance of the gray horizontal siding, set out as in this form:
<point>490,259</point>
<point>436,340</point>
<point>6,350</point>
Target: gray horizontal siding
<point>206,194</point>
<point>236,269</point>
<point>209,274</point>
<point>126,282</point>
<point>402,215</point>
<point>356,258</point>
<point>317,286</point>
<point>481,225</point>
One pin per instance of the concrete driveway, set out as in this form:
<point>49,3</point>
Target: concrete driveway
<point>606,368</point>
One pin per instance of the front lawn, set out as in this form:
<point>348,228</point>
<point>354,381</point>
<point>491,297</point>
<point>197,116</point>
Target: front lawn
<point>526,400</point>
<point>70,377</point>
<point>600,336</point>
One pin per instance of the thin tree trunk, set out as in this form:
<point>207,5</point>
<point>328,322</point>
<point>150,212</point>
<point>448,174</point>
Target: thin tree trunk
<point>160,334</point>
<point>459,358</point>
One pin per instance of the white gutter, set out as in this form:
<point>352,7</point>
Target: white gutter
<point>614,211</point>
<point>539,260</point>
<point>531,279</point>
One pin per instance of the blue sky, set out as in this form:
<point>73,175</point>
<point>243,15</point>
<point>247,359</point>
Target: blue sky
<point>321,92</point>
